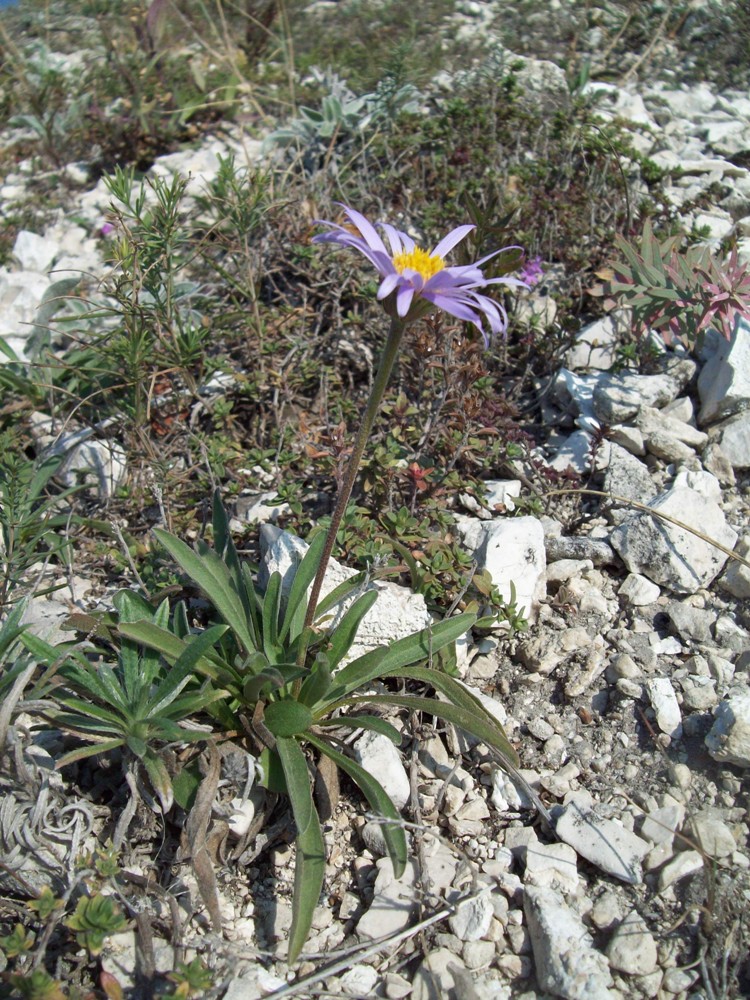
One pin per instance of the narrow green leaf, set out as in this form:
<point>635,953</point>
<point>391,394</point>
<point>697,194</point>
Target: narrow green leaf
<point>387,659</point>
<point>344,634</point>
<point>184,667</point>
<point>340,593</point>
<point>87,708</point>
<point>393,832</point>
<point>318,682</point>
<point>88,751</point>
<point>370,722</point>
<point>159,777</point>
<point>459,695</point>
<point>296,605</point>
<point>271,608</point>
<point>185,785</point>
<point>12,628</point>
<point>214,578</point>
<point>171,647</point>
<point>310,867</point>
<point>474,724</point>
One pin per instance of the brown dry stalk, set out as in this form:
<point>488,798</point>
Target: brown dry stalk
<point>657,513</point>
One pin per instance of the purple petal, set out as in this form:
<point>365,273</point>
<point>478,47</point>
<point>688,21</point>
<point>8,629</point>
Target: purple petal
<point>453,306</point>
<point>366,228</point>
<point>399,241</point>
<point>448,242</point>
<point>455,277</point>
<point>414,278</point>
<point>387,285</point>
<point>404,297</point>
<point>483,260</point>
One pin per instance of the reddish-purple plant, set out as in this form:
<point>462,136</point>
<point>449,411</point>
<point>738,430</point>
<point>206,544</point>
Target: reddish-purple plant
<point>679,292</point>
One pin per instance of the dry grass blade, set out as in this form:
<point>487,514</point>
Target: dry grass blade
<point>656,513</point>
<point>359,954</point>
<point>195,837</point>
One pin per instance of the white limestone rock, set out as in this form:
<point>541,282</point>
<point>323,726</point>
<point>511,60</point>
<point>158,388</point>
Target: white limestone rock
<point>632,949</point>
<point>724,382</point>
<point>618,398</point>
<point>472,917</point>
<point>254,984</point>
<point>554,866</point>
<point>566,962</point>
<point>681,866</point>
<point>512,550</point>
<point>736,577</point>
<point>728,740</point>
<point>652,421</point>
<point>702,482</point>
<point>672,556</point>
<point>638,590</point>
<point>34,252</point>
<point>97,461</point>
<point>596,344</point>
<point>576,452</point>
<point>440,975</point>
<point>665,705</point>
<point>502,492</point>
<point>603,842</point>
<point>359,981</point>
<point>626,477</point>
<point>712,834</point>
<point>394,902</point>
<point>380,758</point>
<point>733,437</point>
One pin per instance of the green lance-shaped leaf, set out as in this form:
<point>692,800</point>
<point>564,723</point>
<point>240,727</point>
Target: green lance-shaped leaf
<point>459,695</point>
<point>373,723</point>
<point>296,604</point>
<point>311,862</point>
<point>344,634</point>
<point>389,659</point>
<point>473,723</point>
<point>318,682</point>
<point>184,668</point>
<point>270,618</point>
<point>172,647</point>
<point>393,831</point>
<point>209,572</point>
<point>159,777</point>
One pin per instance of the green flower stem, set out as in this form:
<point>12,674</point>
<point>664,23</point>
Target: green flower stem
<point>387,361</point>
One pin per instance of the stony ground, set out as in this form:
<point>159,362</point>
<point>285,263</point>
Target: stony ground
<point>617,862</point>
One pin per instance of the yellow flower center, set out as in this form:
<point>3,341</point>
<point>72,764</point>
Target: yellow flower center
<point>420,261</point>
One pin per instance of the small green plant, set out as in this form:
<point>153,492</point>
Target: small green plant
<point>54,101</point>
<point>281,704</point>
<point>342,117</point>
<point>95,918</point>
<point>31,514</point>
<point>191,979</point>
<point>46,904</point>
<point>678,291</point>
<point>36,985</point>
<point>151,322</point>
<point>138,704</point>
<point>18,942</point>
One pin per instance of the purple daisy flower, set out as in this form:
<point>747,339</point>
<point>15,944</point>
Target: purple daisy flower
<point>532,272</point>
<point>413,280</point>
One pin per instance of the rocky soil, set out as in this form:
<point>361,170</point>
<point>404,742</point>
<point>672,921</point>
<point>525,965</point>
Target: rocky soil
<point>628,697</point>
